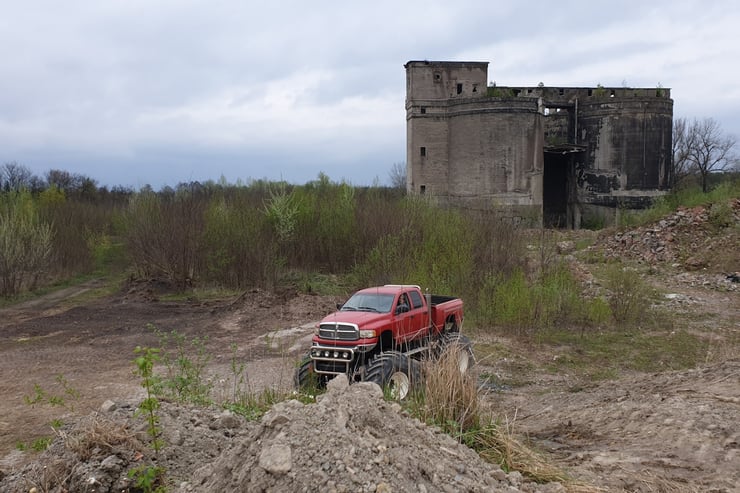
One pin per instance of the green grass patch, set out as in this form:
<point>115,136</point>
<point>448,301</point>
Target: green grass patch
<point>604,355</point>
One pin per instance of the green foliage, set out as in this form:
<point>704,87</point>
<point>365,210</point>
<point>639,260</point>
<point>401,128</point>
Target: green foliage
<point>525,306</point>
<point>600,91</point>
<point>281,211</point>
<point>38,445</point>
<point>442,250</point>
<point>41,444</point>
<point>721,215</point>
<point>687,197</point>
<point>150,405</point>
<point>499,92</point>
<point>185,362</point>
<point>66,399</point>
<point>629,297</point>
<point>149,479</point>
<point>253,406</point>
<point>25,243</point>
<point>238,244</point>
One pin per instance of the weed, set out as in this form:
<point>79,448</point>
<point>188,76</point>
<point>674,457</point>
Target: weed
<point>147,477</point>
<point>66,399</point>
<point>185,362</point>
<point>41,444</point>
<point>150,405</point>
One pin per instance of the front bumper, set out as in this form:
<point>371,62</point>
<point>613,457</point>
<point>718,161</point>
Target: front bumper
<point>334,359</point>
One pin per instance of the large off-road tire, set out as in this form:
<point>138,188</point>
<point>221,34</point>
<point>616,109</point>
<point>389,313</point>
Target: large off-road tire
<point>454,343</point>
<point>305,378</point>
<point>395,372</point>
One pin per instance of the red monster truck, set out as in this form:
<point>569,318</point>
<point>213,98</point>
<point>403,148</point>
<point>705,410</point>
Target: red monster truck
<point>380,333</point>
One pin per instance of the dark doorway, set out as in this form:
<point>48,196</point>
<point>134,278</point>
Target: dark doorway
<point>559,194</point>
<point>555,190</point>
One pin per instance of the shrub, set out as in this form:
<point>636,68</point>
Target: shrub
<point>25,243</point>
<point>629,297</point>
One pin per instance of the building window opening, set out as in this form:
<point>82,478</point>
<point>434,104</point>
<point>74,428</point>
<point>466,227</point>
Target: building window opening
<point>423,110</point>
<point>561,91</point>
<point>613,93</point>
<point>437,77</point>
<point>590,92</point>
<point>423,151</point>
<point>459,88</point>
<point>422,189</point>
<point>475,88</point>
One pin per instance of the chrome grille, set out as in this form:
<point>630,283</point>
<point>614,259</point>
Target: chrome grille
<point>339,332</point>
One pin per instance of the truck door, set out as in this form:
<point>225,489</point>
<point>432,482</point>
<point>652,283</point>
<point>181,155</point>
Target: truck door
<point>403,320</point>
<point>419,315</point>
<point>411,318</point>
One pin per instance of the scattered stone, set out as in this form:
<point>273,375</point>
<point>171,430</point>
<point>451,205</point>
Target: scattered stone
<point>276,459</point>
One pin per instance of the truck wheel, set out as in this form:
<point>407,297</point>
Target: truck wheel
<point>462,347</point>
<point>305,378</point>
<point>395,371</point>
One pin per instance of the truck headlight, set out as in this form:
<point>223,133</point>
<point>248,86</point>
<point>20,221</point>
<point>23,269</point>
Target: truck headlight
<point>367,334</point>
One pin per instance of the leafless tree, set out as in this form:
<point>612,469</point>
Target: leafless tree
<point>711,149</point>
<point>397,175</point>
<point>682,142</point>
<point>700,147</point>
<point>14,176</point>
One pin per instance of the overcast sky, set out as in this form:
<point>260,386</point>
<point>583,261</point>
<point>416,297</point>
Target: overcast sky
<point>135,92</point>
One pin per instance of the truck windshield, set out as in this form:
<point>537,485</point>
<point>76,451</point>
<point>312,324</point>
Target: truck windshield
<point>371,302</point>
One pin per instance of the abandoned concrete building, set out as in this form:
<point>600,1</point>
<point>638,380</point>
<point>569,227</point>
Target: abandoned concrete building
<point>555,156</point>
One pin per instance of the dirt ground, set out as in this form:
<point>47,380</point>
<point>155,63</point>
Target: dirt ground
<point>674,431</point>
<point>671,431</point>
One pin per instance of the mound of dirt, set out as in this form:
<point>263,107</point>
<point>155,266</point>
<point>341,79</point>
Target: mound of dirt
<point>350,440</point>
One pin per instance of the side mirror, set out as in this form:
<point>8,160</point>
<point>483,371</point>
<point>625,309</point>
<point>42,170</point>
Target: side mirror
<point>339,306</point>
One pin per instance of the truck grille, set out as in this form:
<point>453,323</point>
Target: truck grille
<point>339,332</point>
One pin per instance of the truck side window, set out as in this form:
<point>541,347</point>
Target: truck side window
<point>416,299</point>
<point>403,300</point>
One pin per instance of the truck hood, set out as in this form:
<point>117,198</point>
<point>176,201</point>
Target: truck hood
<point>362,319</point>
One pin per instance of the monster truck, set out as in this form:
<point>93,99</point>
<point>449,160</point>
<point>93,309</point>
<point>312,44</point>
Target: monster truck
<point>379,335</point>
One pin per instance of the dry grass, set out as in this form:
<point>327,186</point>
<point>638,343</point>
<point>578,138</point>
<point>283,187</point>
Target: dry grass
<point>450,397</point>
<point>450,400</point>
<point>95,433</point>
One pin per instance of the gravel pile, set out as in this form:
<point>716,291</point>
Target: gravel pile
<point>351,440</point>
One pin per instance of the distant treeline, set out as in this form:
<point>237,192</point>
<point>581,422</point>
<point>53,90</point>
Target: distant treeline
<point>265,234</point>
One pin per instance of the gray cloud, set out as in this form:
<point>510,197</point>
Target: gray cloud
<point>172,91</point>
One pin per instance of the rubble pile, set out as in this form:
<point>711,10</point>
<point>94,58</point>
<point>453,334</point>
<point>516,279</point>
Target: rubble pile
<point>687,238</point>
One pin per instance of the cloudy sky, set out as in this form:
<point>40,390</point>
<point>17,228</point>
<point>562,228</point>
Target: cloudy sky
<point>135,92</point>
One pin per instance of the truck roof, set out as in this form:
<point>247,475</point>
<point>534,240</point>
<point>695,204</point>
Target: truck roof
<point>389,288</point>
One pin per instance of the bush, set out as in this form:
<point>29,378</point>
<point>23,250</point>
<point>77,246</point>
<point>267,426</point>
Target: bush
<point>25,243</point>
<point>629,297</point>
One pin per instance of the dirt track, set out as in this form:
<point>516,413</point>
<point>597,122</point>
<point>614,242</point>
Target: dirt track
<point>666,432</point>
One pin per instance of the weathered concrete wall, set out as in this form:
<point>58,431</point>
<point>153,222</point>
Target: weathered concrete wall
<point>445,80</point>
<point>479,147</point>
